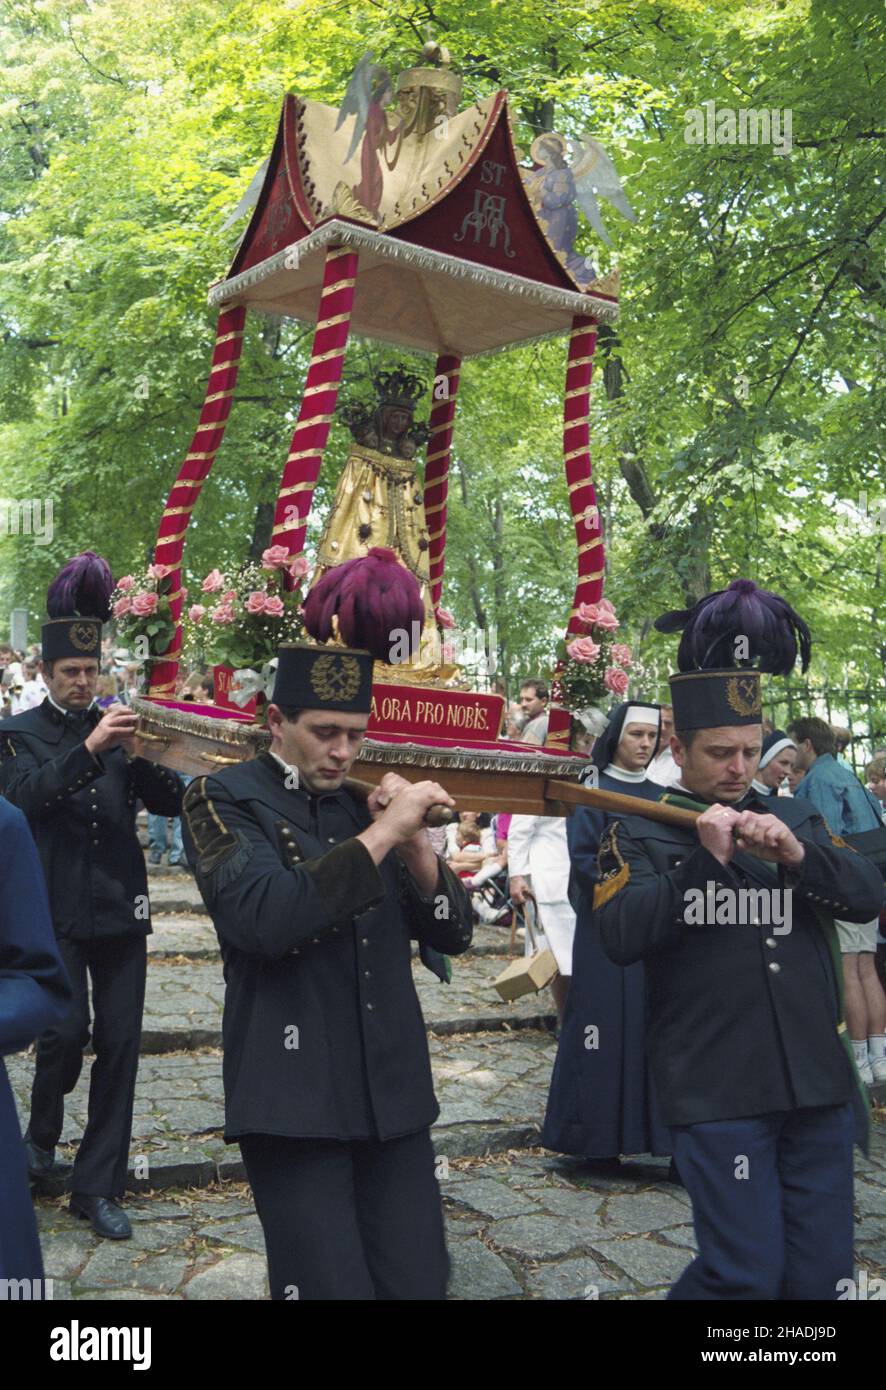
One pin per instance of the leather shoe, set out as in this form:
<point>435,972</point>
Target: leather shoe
<point>42,1162</point>
<point>103,1214</point>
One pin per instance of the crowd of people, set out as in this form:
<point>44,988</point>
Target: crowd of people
<point>695,1044</point>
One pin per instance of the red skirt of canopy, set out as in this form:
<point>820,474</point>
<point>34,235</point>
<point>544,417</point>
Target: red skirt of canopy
<point>319,270</point>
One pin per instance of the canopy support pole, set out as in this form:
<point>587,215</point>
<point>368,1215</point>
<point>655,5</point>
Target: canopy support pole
<point>437,467</point>
<point>302,467</point>
<point>579,474</point>
<point>582,500</point>
<point>191,476</point>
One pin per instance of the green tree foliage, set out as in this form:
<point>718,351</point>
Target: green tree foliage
<point>737,409</point>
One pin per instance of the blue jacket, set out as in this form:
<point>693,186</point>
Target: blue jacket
<point>839,798</point>
<point>34,995</point>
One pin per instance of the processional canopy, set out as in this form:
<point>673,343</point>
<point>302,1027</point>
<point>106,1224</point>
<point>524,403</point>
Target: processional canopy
<point>461,249</point>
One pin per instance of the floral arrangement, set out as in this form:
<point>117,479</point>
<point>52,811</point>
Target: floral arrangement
<point>595,666</point>
<point>140,605</point>
<point>244,617</point>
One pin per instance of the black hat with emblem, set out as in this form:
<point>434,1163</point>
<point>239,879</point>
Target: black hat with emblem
<point>729,639</point>
<point>78,602</point>
<point>323,678</point>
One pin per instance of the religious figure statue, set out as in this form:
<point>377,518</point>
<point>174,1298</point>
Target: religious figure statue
<point>379,502</point>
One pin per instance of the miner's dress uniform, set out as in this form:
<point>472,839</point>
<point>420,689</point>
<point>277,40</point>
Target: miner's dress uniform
<point>747,1046</point>
<point>327,1076</point>
<point>81,810</point>
<point>34,993</point>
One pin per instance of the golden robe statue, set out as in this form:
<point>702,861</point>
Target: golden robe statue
<point>379,502</point>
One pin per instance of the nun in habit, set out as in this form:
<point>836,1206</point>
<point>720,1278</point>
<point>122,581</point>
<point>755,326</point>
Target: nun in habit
<point>600,1105</point>
<point>777,758</point>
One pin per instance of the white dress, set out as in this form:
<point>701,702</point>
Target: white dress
<point>537,850</point>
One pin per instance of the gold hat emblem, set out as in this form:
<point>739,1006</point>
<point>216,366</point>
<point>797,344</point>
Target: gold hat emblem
<point>84,636</point>
<point>335,677</point>
<point>743,695</point>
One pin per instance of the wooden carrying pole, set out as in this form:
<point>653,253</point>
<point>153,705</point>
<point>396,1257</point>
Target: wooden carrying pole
<point>553,798</point>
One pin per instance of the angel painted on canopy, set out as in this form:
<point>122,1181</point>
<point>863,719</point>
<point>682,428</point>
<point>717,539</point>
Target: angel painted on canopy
<point>557,189</point>
<point>369,90</point>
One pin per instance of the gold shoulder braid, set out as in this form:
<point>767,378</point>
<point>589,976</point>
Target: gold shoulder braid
<point>213,841</point>
<point>837,840</point>
<point>614,872</point>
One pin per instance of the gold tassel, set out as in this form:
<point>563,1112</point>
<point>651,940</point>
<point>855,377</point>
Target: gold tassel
<point>611,885</point>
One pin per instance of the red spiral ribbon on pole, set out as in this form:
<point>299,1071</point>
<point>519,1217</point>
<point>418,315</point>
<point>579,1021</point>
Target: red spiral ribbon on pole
<point>302,466</point>
<point>191,476</point>
<point>437,468</point>
<point>577,460</point>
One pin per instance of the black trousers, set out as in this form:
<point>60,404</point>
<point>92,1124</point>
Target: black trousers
<point>349,1220</point>
<point>117,967</point>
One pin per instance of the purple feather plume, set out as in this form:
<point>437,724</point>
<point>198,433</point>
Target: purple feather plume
<point>711,629</point>
<point>81,589</point>
<point>373,596</point>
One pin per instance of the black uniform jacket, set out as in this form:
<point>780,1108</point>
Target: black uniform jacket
<point>81,811</point>
<point>742,1019</point>
<point>323,1033</point>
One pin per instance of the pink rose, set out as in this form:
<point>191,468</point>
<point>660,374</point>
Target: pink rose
<point>606,606</point>
<point>222,614</point>
<point>583,649</point>
<point>159,571</point>
<point>256,602</point>
<point>196,612</point>
<point>274,607</point>
<point>122,606</point>
<point>229,596</point>
<point>144,604</point>
<point>125,583</point>
<point>444,617</point>
<point>608,622</point>
<point>213,582</point>
<point>588,613</point>
<point>621,654</point>
<point>275,557</point>
<point>615,680</point>
<point>299,567</point>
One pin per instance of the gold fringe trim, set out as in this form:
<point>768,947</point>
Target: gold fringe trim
<point>574,301</point>
<point>610,886</point>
